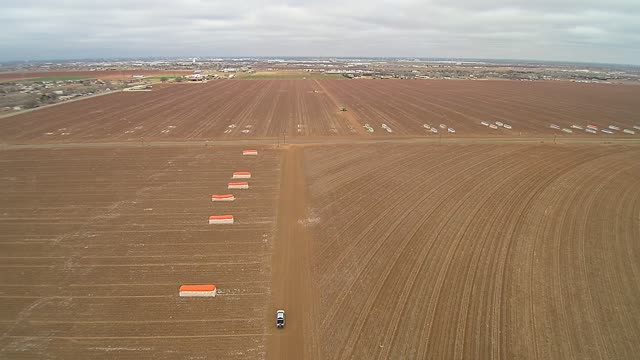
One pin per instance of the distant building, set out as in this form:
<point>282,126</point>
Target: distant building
<point>195,77</point>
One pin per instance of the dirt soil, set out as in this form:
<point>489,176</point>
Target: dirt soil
<point>529,107</point>
<point>94,244</point>
<point>292,287</point>
<point>476,252</point>
<point>230,109</point>
<point>385,246</point>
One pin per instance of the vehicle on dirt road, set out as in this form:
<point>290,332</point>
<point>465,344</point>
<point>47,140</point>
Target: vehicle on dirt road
<point>280,318</point>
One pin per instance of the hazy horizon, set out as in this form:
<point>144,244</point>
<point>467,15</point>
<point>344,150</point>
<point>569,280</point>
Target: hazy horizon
<point>202,58</point>
<point>581,31</point>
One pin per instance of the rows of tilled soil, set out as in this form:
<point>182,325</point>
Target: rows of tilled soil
<point>217,109</point>
<point>101,74</point>
<point>529,108</point>
<point>476,251</point>
<point>230,109</point>
<point>95,243</point>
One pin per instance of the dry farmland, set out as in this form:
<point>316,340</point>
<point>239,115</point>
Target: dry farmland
<point>477,252</point>
<point>529,107</point>
<point>95,243</point>
<point>228,109</point>
<point>378,246</point>
<point>215,110</point>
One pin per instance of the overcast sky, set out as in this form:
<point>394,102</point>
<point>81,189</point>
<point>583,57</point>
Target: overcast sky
<point>570,30</point>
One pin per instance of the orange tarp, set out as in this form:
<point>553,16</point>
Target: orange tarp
<point>220,217</point>
<point>222,196</point>
<point>197,287</point>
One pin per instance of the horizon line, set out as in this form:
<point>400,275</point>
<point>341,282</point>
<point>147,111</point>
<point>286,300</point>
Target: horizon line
<point>229,57</point>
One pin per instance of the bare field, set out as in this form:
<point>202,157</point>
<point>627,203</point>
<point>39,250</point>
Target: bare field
<point>94,244</point>
<point>376,251</point>
<point>217,109</point>
<point>393,248</point>
<point>233,109</point>
<point>476,252</point>
<point>529,107</point>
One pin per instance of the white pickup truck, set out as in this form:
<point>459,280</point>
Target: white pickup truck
<point>280,318</point>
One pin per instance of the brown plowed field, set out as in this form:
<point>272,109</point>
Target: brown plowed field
<point>103,74</point>
<point>95,243</point>
<point>530,107</point>
<point>393,248</point>
<point>218,109</point>
<point>476,252</point>
<point>237,109</point>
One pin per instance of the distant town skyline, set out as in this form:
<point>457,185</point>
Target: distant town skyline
<point>568,31</point>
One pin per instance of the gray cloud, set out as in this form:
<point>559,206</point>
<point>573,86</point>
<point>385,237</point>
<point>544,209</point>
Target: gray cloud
<point>572,30</point>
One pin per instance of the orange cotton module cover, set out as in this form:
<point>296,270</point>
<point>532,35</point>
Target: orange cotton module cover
<point>208,290</point>
<point>242,175</point>
<point>210,287</point>
<point>238,185</point>
<point>224,197</point>
<point>249,152</point>
<point>221,219</point>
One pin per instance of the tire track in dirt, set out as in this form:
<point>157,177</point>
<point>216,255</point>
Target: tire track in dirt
<point>348,115</point>
<point>292,286</point>
<point>409,286</point>
<point>399,201</point>
<point>351,271</point>
<point>490,196</point>
<point>382,289</point>
<point>540,182</point>
<point>602,169</point>
<point>560,198</point>
<point>123,210</point>
<point>366,312</point>
<point>587,205</point>
<point>451,251</point>
<point>201,111</point>
<point>534,196</point>
<point>383,200</point>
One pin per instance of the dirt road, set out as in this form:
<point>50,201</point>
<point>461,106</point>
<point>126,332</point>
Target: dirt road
<point>292,286</point>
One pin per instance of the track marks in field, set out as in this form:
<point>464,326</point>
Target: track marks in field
<point>472,251</point>
<point>124,229</point>
<point>529,107</point>
<point>258,109</point>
